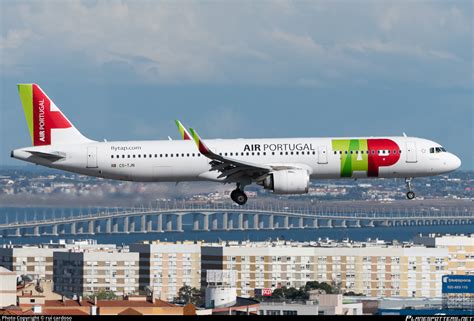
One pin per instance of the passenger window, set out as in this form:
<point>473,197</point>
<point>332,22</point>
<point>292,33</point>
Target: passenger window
<point>144,155</point>
<point>133,155</point>
<point>111,156</point>
<point>128,156</point>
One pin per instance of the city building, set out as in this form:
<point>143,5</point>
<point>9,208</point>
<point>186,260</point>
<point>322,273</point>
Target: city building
<point>220,291</point>
<point>86,272</point>
<point>318,304</point>
<point>369,268</point>
<point>285,307</point>
<point>460,250</point>
<point>7,287</point>
<point>336,304</point>
<point>36,261</point>
<point>166,267</point>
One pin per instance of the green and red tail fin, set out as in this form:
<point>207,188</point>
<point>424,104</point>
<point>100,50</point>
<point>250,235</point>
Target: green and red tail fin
<point>46,123</point>
<point>199,143</point>
<point>182,130</point>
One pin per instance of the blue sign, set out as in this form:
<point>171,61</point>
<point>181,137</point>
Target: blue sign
<point>458,284</point>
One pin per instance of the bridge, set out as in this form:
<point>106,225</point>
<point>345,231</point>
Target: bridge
<point>187,216</point>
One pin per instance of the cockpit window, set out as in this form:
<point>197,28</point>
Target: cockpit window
<point>437,150</point>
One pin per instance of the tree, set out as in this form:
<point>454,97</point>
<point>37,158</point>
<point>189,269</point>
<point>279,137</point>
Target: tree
<point>103,295</point>
<point>187,294</point>
<point>279,293</point>
<point>315,285</point>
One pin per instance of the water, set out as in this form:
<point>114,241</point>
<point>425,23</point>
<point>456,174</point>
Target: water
<point>405,233</point>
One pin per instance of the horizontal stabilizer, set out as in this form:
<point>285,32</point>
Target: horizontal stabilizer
<point>54,156</point>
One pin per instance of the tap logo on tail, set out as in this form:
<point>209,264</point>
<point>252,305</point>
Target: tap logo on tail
<point>42,115</point>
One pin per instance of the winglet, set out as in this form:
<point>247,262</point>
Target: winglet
<point>199,143</point>
<point>182,130</point>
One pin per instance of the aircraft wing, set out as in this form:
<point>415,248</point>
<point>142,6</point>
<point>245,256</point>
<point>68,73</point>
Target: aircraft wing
<point>182,130</point>
<point>231,169</point>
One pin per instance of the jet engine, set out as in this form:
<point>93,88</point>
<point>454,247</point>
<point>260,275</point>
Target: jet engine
<point>290,181</point>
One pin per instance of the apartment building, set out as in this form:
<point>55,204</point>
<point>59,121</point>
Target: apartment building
<point>460,251</point>
<point>36,261</point>
<point>166,267</point>
<point>84,272</point>
<point>371,269</point>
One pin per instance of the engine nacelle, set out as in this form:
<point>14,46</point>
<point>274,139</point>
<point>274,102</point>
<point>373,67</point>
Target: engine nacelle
<point>290,181</point>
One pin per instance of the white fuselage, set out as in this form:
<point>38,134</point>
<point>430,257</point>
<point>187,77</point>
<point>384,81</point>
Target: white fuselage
<point>176,160</point>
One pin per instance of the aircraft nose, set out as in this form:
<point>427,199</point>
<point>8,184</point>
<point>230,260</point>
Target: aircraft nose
<point>457,162</point>
<point>453,162</point>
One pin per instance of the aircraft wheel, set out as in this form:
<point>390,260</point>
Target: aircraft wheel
<point>239,197</point>
<point>410,195</point>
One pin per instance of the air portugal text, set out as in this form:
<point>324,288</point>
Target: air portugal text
<point>278,147</point>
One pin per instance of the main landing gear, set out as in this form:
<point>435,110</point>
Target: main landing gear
<point>410,193</point>
<point>238,195</point>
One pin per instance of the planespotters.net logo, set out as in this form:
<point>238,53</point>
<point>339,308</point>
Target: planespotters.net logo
<point>438,318</point>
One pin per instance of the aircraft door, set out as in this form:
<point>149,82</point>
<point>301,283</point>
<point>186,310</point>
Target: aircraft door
<point>322,155</point>
<point>92,157</point>
<point>411,152</point>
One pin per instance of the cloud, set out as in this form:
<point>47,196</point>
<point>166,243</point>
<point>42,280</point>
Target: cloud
<point>277,43</point>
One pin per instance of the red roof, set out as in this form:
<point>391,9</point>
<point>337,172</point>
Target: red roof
<point>63,312</point>
<point>141,304</point>
<point>67,303</point>
<point>107,303</point>
<point>16,312</point>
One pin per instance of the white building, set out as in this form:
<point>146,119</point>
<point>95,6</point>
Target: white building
<point>7,287</point>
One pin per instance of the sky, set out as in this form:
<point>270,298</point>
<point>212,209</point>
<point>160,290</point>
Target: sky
<point>124,70</point>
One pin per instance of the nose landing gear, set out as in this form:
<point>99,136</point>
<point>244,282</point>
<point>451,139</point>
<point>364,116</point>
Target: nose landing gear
<point>238,195</point>
<point>410,194</point>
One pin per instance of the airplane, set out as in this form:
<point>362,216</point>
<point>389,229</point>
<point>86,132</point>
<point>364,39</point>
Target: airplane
<point>281,165</point>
